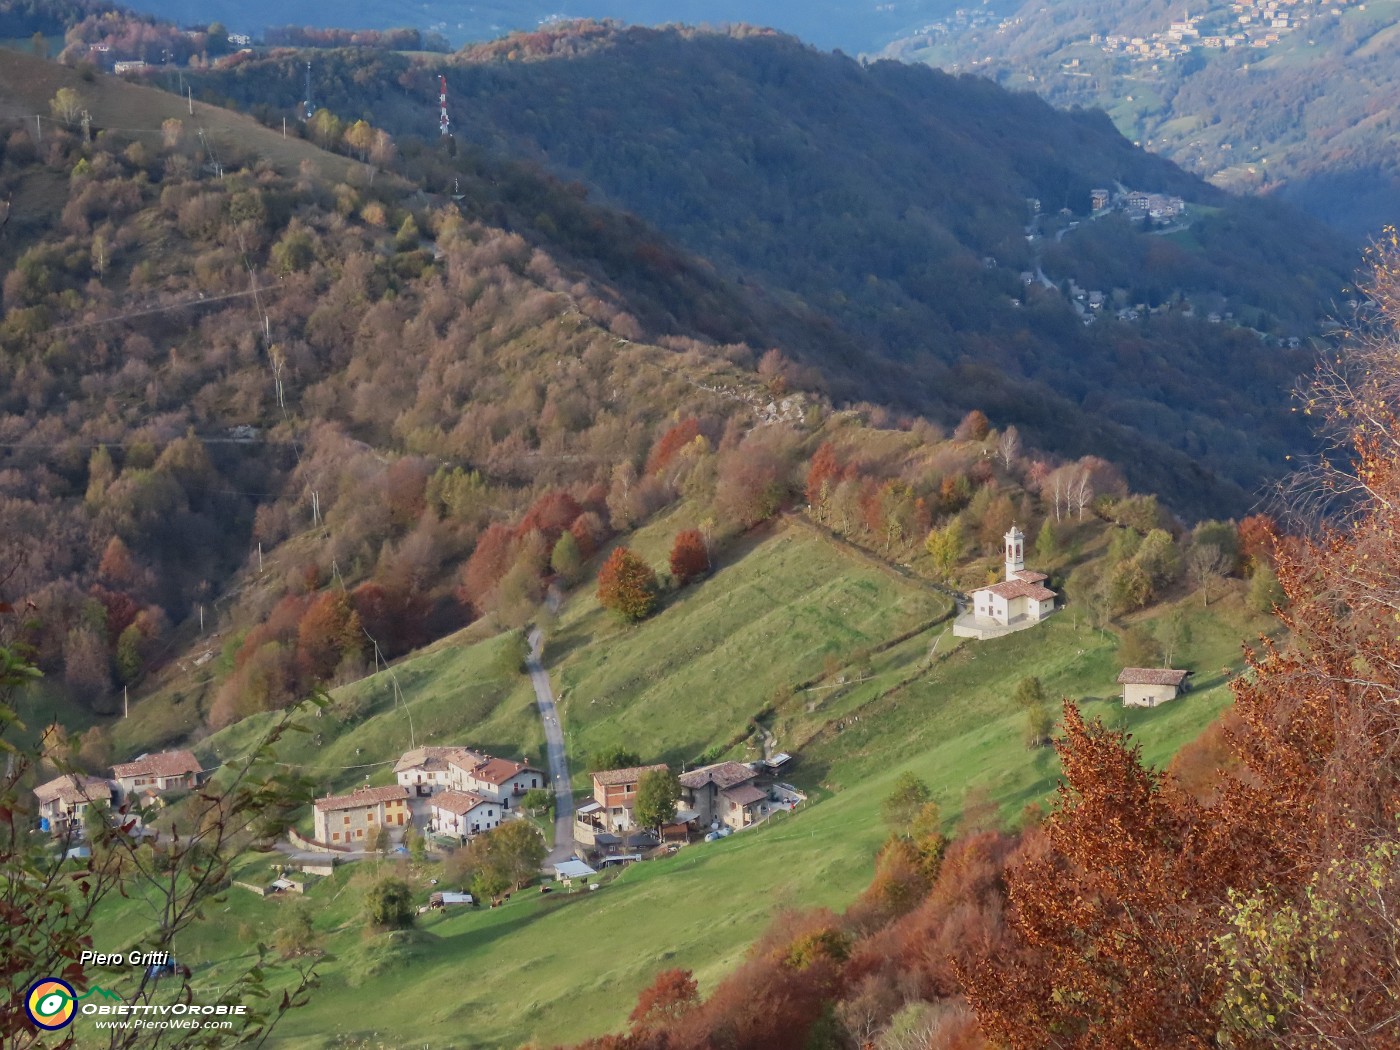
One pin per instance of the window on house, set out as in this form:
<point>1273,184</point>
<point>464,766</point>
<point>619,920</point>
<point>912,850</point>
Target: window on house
<point>347,820</point>
<point>359,833</point>
<point>335,837</point>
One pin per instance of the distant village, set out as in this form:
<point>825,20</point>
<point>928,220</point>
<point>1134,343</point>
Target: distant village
<point>1249,23</point>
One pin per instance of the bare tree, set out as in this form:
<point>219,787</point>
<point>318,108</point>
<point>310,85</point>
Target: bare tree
<point>1081,493</point>
<point>1205,564</point>
<point>1009,446</point>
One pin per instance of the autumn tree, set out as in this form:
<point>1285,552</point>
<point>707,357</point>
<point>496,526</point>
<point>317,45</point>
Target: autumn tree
<point>973,427</point>
<point>627,585</point>
<point>1138,648</point>
<point>668,998</point>
<point>565,560</point>
<point>945,547</point>
<point>690,556</point>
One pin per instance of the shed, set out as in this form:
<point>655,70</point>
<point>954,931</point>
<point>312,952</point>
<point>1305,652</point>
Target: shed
<point>1150,686</point>
<point>572,869</point>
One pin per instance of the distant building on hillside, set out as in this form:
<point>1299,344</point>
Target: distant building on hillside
<point>63,801</point>
<point>1022,600</point>
<point>1150,686</point>
<point>464,813</point>
<point>164,771</point>
<point>1099,199</point>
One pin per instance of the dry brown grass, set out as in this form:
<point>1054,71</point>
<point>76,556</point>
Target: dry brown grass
<point>28,83</point>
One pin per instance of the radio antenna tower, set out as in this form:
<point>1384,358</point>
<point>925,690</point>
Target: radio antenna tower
<point>306,105</point>
<point>444,122</point>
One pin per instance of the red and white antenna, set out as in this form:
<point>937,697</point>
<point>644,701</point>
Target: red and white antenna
<point>444,122</point>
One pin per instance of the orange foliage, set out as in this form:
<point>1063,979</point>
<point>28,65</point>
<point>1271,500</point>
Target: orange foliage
<point>669,445</point>
<point>551,514</point>
<point>690,556</point>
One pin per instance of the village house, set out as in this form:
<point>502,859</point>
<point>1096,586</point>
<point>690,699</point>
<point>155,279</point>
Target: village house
<point>355,819</point>
<point>427,769</point>
<point>1022,600</point>
<point>153,774</point>
<point>614,793</point>
<point>1150,686</point>
<point>501,780</point>
<point>724,793</point>
<point>63,801</point>
<point>463,813</point>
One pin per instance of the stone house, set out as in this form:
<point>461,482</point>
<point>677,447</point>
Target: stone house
<point>723,793</point>
<point>425,770</point>
<point>1150,686</point>
<point>353,820</point>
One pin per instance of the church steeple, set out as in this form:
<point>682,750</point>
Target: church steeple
<point>1015,552</point>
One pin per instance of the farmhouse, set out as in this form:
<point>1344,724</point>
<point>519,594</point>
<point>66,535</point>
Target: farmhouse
<point>1150,686</point>
<point>63,802</point>
<point>160,772</point>
<point>464,814</point>
<point>427,769</point>
<point>1022,600</point>
<point>499,779</point>
<point>615,792</point>
<point>724,793</point>
<point>348,820</point>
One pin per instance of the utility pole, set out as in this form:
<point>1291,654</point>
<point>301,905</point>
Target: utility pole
<point>126,701</point>
<point>260,561</point>
<point>189,97</point>
<point>38,127</point>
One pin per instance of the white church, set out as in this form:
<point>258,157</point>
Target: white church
<point>1022,600</point>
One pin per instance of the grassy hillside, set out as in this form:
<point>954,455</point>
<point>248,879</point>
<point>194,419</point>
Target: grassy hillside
<point>686,680</point>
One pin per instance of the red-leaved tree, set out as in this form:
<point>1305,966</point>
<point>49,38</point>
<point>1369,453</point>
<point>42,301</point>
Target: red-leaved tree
<point>627,585</point>
<point>690,556</point>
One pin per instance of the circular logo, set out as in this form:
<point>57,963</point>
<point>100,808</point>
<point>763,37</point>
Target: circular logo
<point>51,1004</point>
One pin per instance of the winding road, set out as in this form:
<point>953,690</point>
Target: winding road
<point>554,747</point>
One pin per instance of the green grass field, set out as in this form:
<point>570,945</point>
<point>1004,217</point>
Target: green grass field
<point>791,608</point>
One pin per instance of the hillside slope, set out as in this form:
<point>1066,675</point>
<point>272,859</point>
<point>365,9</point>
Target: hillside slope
<point>1299,106</point>
<point>893,202</point>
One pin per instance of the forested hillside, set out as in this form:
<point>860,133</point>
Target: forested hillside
<point>1252,116</point>
<point>893,201</point>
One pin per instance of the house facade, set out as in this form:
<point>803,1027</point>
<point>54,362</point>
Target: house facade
<point>1021,600</point>
<point>425,770</point>
<point>615,792</point>
<point>353,820</point>
<point>1150,686</point>
<point>464,813</point>
<point>723,793</point>
<point>64,801</point>
<point>498,779</point>
<point>153,774</point>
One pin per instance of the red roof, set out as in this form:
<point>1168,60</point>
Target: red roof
<point>1151,676</point>
<point>458,802</point>
<point>362,797</point>
<point>499,770</point>
<point>1019,589</point>
<point>164,764</point>
<point>1027,576</point>
<point>614,777</point>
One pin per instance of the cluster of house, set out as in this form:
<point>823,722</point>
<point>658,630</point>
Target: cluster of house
<point>1137,204</point>
<point>467,792</point>
<point>1249,23</point>
<point>733,795</point>
<point>64,801</point>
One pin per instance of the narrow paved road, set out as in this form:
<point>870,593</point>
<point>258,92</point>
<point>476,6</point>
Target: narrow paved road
<point>554,746</point>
